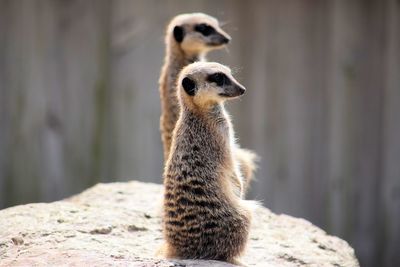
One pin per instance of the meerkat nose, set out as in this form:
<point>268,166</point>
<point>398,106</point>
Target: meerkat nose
<point>242,90</point>
<point>226,40</point>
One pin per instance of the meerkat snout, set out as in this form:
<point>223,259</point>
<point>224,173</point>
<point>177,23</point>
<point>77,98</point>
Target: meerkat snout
<point>233,91</point>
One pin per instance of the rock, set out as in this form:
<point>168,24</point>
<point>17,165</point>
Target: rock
<point>119,224</point>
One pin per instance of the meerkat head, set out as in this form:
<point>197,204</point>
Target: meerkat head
<point>207,84</point>
<point>197,33</point>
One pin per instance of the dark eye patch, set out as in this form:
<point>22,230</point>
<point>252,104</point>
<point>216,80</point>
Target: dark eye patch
<point>179,33</point>
<point>189,85</point>
<point>219,78</point>
<point>204,29</point>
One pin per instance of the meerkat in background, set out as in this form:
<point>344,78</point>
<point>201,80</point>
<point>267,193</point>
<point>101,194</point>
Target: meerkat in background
<point>203,217</point>
<point>189,38</point>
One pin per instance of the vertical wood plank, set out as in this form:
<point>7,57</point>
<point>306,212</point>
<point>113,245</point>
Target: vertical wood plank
<point>3,97</point>
<point>390,180</point>
<point>135,100</point>
<point>355,137</point>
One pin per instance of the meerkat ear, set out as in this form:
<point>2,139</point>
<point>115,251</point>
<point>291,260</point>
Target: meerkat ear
<point>179,33</point>
<point>189,85</point>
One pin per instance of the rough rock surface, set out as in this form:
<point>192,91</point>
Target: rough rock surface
<point>119,225</point>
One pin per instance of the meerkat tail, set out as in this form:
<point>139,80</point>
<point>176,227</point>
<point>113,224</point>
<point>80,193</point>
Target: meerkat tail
<point>165,251</point>
<point>248,165</point>
<point>238,263</point>
<point>161,251</point>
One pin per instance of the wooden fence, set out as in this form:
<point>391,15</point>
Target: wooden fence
<point>79,104</point>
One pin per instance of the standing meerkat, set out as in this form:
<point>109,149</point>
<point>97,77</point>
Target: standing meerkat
<point>189,37</point>
<point>203,216</point>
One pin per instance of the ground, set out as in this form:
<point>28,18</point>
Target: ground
<point>119,224</point>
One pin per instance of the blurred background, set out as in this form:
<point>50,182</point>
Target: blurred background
<point>79,104</point>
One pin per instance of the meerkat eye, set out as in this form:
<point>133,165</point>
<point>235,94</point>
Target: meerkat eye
<point>219,78</point>
<point>204,29</point>
<point>189,86</point>
<point>179,33</point>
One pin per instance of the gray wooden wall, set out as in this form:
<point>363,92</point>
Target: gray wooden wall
<point>79,104</point>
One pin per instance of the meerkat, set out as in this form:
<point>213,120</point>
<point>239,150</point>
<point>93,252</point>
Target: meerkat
<point>189,37</point>
<point>203,216</point>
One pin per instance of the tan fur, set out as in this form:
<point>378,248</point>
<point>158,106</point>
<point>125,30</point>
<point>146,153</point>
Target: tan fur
<point>204,218</point>
<point>178,55</point>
